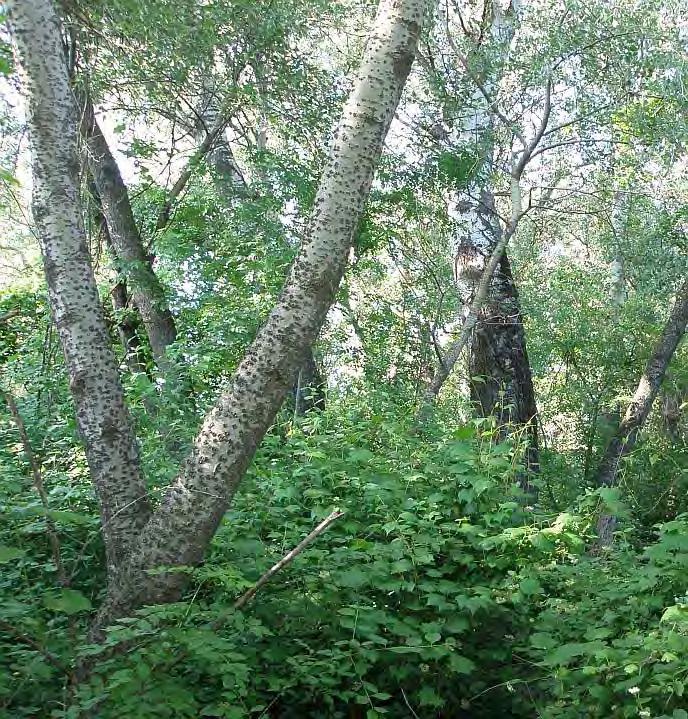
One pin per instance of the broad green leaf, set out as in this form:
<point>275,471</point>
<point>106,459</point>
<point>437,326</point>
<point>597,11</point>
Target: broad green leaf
<point>68,601</point>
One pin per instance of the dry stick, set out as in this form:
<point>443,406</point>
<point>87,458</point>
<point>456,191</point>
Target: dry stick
<point>37,477</point>
<point>287,559</point>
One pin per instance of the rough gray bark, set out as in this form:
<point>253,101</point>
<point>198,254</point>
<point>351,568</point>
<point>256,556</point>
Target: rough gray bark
<point>146,290</point>
<point>102,416</point>
<point>501,380</point>
<point>182,527</point>
<point>638,410</point>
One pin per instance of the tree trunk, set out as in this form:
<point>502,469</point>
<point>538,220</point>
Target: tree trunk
<point>227,177</point>
<point>638,410</point>
<point>501,381</point>
<point>102,416</point>
<point>147,292</point>
<point>126,328</point>
<point>309,388</point>
<point>125,323</point>
<point>191,510</point>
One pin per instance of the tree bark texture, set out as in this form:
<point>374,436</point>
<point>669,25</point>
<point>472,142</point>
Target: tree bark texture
<point>102,417</point>
<point>146,290</point>
<point>192,508</point>
<point>626,435</point>
<point>501,379</point>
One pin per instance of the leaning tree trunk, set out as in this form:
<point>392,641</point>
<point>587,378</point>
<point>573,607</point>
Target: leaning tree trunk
<point>146,290</point>
<point>626,435</point>
<point>181,529</point>
<point>102,416</point>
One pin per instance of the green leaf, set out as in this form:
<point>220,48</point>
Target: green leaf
<point>530,586</point>
<point>353,578</point>
<point>68,601</point>
<point>461,665</point>
<point>9,554</point>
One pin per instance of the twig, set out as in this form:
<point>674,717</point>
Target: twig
<point>37,477</point>
<point>411,709</point>
<point>10,314</point>
<point>30,642</point>
<point>203,149</point>
<point>287,559</point>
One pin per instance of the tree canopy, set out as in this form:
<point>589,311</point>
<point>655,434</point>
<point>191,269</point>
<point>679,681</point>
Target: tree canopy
<point>342,369</point>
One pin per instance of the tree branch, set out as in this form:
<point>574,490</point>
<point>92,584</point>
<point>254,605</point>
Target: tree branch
<point>287,558</point>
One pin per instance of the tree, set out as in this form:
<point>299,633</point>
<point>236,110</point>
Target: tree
<point>102,416</point>
<point>180,530</point>
<point>625,437</point>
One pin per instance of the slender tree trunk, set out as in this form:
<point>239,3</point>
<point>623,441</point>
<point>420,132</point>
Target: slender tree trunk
<point>309,388</point>
<point>182,527</point>
<point>626,435</point>
<point>227,176</point>
<point>125,322</point>
<point>102,416</point>
<point>147,292</point>
<point>501,382</point>
<point>127,328</point>
<point>501,379</point>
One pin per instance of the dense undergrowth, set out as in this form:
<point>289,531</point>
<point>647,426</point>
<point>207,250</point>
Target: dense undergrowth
<point>440,593</point>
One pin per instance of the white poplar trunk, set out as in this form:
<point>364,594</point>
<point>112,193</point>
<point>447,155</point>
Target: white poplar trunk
<point>102,417</point>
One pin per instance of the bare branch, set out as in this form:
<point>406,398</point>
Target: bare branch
<point>287,558</point>
<point>37,477</point>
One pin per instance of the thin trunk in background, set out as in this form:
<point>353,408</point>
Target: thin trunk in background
<point>626,435</point>
<point>102,417</point>
<point>135,262</point>
<point>501,383</point>
<point>309,386</point>
<point>125,320</point>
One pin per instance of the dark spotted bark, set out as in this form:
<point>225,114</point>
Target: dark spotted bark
<point>309,388</point>
<point>501,378</point>
<point>146,290</point>
<point>101,414</point>
<point>626,435</point>
<point>190,511</point>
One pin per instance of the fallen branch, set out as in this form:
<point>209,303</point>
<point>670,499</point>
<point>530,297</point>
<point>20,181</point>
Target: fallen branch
<point>287,559</point>
<point>10,314</point>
